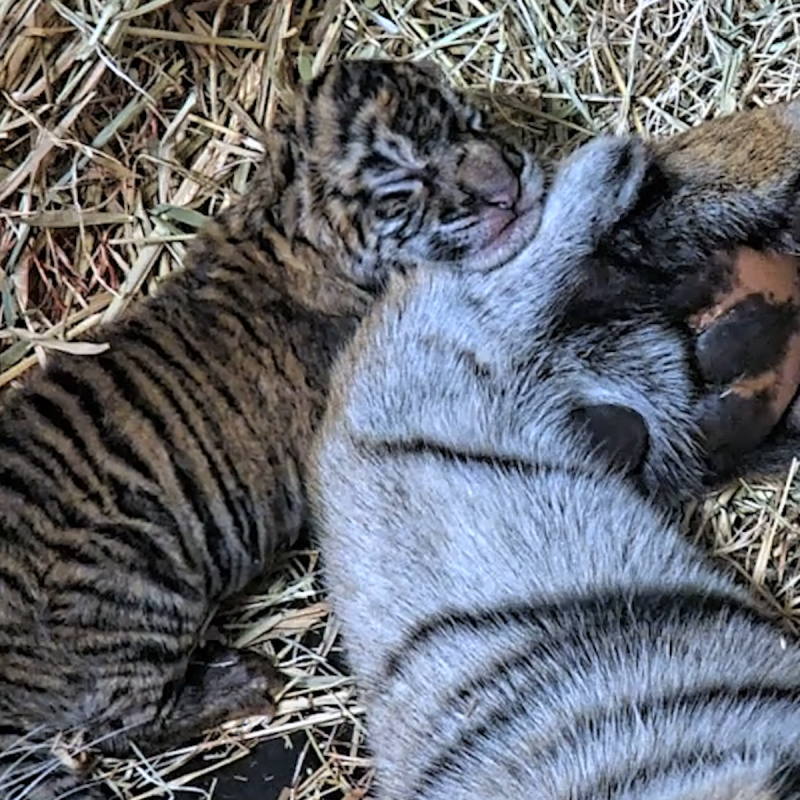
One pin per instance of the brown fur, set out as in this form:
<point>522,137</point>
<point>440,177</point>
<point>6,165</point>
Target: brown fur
<point>141,487</point>
<point>756,148</point>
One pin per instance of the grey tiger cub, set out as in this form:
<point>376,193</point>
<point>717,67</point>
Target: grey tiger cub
<point>521,612</point>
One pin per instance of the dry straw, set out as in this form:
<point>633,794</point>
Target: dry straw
<point>124,124</point>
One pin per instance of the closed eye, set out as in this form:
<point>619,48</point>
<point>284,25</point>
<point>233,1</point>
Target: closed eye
<point>396,200</point>
<point>452,212</point>
<point>392,205</point>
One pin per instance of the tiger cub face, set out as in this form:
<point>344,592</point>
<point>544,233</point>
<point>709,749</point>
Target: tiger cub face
<point>399,173</point>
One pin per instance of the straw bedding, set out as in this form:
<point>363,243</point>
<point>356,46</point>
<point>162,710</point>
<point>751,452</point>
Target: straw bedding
<point>124,124</point>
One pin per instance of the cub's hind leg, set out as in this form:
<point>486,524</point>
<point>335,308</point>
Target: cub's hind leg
<point>218,685</point>
<point>124,655</point>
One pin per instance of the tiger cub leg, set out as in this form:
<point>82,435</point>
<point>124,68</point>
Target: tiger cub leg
<point>220,685</point>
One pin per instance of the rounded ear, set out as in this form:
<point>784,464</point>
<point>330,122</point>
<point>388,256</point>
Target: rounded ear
<point>617,433</point>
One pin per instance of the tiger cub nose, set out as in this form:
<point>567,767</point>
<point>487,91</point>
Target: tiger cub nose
<point>485,173</point>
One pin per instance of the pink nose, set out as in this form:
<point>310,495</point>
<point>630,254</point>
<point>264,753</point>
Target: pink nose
<point>488,175</point>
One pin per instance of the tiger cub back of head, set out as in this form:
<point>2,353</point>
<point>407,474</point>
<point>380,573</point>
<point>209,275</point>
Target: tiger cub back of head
<point>142,486</point>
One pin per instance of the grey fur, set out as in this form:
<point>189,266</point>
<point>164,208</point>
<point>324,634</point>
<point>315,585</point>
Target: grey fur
<point>523,619</point>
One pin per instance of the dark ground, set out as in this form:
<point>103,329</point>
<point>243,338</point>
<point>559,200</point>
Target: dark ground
<point>261,775</point>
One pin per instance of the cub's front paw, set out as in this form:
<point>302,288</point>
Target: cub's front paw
<point>598,185</point>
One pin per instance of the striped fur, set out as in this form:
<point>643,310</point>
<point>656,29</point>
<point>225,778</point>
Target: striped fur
<point>519,607</point>
<point>141,487</point>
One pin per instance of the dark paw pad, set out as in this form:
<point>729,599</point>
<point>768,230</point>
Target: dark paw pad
<point>617,433</point>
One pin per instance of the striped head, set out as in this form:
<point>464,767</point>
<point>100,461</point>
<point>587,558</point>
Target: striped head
<point>397,171</point>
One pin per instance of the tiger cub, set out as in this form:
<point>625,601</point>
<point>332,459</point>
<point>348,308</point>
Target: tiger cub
<point>141,487</point>
<point>489,486</point>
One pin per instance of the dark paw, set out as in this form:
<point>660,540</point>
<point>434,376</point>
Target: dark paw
<point>242,682</point>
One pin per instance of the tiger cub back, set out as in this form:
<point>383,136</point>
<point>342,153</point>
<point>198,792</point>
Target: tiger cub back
<point>142,486</point>
<point>490,487</point>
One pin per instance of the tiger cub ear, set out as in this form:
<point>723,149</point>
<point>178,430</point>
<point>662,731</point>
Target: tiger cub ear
<point>617,433</point>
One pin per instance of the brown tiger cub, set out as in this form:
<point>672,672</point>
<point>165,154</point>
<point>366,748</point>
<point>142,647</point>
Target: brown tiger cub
<point>141,487</point>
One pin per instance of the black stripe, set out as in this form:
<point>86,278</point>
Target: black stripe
<point>785,784</point>
<point>54,416</point>
<point>134,502</point>
<point>259,247</point>
<point>562,643</point>
<point>359,226</point>
<point>152,651</point>
<point>420,446</point>
<point>137,504</point>
<point>211,375</point>
<point>51,463</point>
<point>404,233</point>
<point>86,395</point>
<point>65,601</point>
<point>158,564</point>
<point>244,522</point>
<point>183,474</point>
<point>656,609</point>
<point>21,649</point>
<point>13,582</point>
<point>679,764</point>
<point>100,642</point>
<point>222,554</point>
<point>376,162</point>
<point>71,552</point>
<point>38,496</point>
<point>626,606</point>
<point>30,463</point>
<point>472,740</point>
<point>18,436</point>
<point>133,622</point>
<point>239,303</point>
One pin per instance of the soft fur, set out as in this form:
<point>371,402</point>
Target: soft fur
<point>141,487</point>
<point>522,615</point>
